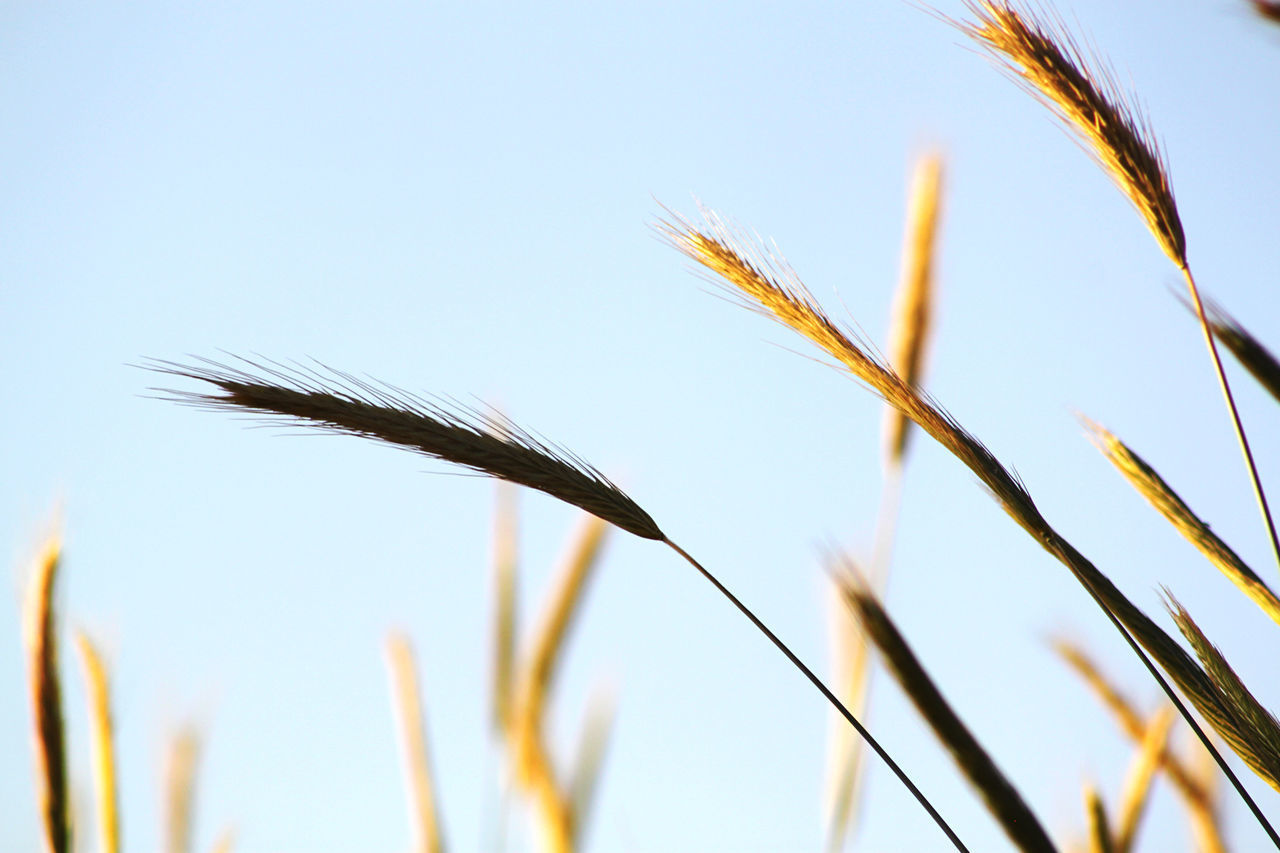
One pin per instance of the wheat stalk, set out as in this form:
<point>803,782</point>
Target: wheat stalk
<point>339,402</point>
<point>40,640</point>
<point>768,285</point>
<point>424,816</point>
<point>104,762</point>
<point>1001,797</point>
<point>504,617</point>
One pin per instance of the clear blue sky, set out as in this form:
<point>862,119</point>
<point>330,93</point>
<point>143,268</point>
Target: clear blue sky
<point>456,198</point>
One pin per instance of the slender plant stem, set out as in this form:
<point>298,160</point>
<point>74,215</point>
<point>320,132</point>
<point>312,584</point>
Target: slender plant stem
<point>886,528</point>
<point>1235,413</point>
<point>822,688</point>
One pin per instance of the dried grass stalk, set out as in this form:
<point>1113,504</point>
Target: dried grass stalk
<point>769,286</point>
<point>424,816</point>
<point>504,618</point>
<point>1160,495</point>
<point>1082,92</point>
<point>225,842</point>
<point>1255,735</point>
<point>1248,350</point>
<point>913,304</point>
<point>40,640</point>
<point>487,443</point>
<point>1001,797</point>
<point>592,744</point>
<point>852,674</point>
<point>179,789</point>
<point>1099,826</point>
<point>1198,795</point>
<point>101,743</point>
<point>1142,773</point>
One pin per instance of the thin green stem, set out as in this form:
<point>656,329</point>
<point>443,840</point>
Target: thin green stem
<point>1258,493</point>
<point>822,688</point>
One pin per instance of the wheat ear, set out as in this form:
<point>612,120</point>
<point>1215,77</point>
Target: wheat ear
<point>338,402</point>
<point>1160,495</point>
<point>1001,797</point>
<point>104,760</point>
<point>768,285</point>
<point>1267,10</point>
<point>1081,90</point>
<point>1256,734</point>
<point>40,640</point>
<point>424,816</point>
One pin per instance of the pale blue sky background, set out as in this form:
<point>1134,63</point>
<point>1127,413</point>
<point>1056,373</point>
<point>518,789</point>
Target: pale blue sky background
<point>456,198</point>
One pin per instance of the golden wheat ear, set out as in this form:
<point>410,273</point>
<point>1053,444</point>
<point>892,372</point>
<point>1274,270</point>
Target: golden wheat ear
<point>1148,483</point>
<point>40,640</point>
<point>1000,796</point>
<point>1080,89</point>
<point>1255,735</point>
<point>407,707</point>
<point>103,749</point>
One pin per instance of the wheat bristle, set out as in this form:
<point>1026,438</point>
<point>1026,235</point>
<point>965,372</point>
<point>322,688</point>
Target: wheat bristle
<point>1082,92</point>
<point>40,640</point>
<point>1001,797</point>
<point>102,747</point>
<point>484,442</point>
<point>424,816</point>
<point>1148,483</point>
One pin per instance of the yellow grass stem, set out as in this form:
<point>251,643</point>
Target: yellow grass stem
<point>1197,795</point>
<point>179,789</point>
<point>101,743</point>
<point>424,819</point>
<point>1137,787</point>
<point>589,759</point>
<point>41,643</point>
<point>505,557</point>
<point>913,305</point>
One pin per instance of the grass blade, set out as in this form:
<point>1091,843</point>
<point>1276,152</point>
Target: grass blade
<point>1142,773</point>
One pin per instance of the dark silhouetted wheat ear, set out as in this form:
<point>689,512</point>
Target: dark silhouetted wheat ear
<point>338,402</point>
<point>1099,824</point>
<point>1252,354</point>
<point>1267,10</point>
<point>768,285</point>
<point>1000,796</point>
